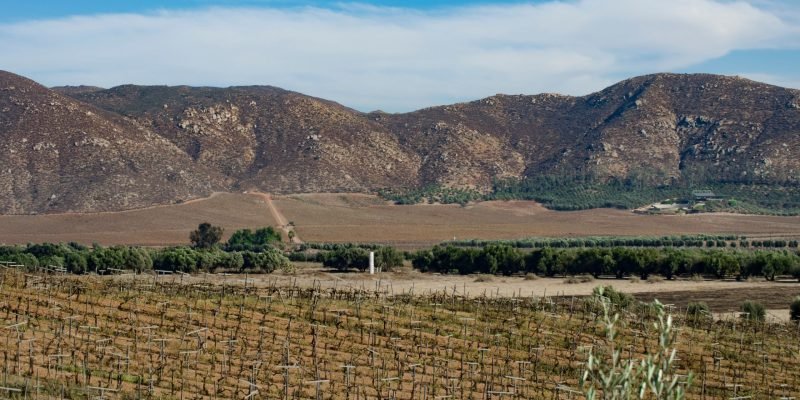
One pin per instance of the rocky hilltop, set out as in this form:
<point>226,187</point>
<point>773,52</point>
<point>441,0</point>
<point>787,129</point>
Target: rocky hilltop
<point>91,149</point>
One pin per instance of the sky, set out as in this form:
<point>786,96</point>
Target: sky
<point>397,56</point>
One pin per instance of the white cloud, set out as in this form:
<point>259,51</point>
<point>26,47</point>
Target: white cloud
<point>779,80</point>
<point>390,58</point>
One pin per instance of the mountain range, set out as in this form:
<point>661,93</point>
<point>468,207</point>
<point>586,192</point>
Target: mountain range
<point>88,149</point>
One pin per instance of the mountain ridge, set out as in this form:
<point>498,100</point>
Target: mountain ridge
<point>661,128</point>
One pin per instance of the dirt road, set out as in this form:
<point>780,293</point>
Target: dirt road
<point>281,220</point>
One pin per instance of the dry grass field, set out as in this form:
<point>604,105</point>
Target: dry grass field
<point>367,218</point>
<point>154,226</point>
<point>149,337</point>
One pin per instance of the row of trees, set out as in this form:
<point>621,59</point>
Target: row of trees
<point>579,191</point>
<point>208,236</point>
<point>620,261</point>
<point>345,258</point>
<point>664,241</point>
<point>78,259</point>
<point>245,251</point>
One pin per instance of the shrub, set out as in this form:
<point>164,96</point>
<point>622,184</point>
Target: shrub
<point>619,299</point>
<point>531,276</point>
<point>794,309</point>
<point>579,279</point>
<point>697,312</point>
<point>753,311</point>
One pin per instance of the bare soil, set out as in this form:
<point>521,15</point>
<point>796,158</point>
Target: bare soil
<point>153,226</point>
<point>328,217</point>
<point>365,218</point>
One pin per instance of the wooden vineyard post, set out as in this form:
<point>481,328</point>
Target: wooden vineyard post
<point>286,369</point>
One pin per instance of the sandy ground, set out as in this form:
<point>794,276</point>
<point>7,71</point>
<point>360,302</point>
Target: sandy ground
<point>773,315</point>
<point>409,281</point>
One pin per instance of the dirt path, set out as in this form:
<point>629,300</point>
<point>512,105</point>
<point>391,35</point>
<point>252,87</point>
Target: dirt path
<point>279,218</point>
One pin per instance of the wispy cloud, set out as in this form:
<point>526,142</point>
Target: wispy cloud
<point>392,58</point>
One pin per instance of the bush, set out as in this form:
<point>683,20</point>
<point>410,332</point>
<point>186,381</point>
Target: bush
<point>619,299</point>
<point>579,279</point>
<point>794,309</point>
<point>753,311</point>
<point>697,312</point>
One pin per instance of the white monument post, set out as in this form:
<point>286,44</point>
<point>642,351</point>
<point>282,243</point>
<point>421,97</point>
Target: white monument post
<point>372,263</point>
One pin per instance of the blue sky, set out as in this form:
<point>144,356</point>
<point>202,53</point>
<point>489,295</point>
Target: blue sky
<point>14,10</point>
<point>398,55</point>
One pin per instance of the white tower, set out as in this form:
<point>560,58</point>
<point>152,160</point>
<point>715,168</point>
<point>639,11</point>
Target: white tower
<point>372,263</point>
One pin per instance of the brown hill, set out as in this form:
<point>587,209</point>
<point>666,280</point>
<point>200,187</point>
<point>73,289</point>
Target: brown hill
<point>269,138</point>
<point>63,155</point>
<point>663,127</point>
<point>660,127</point>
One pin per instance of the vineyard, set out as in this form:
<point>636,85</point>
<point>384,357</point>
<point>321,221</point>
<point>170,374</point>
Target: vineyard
<point>151,336</point>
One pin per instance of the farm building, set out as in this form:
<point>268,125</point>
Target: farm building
<point>704,195</point>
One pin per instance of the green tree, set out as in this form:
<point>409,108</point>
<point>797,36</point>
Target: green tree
<point>265,262</point>
<point>206,236</point>
<point>722,263</point>
<point>387,258</point>
<point>346,258</point>
<point>245,239</point>
<point>75,262</point>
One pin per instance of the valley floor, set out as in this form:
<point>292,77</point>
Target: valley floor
<point>365,218</point>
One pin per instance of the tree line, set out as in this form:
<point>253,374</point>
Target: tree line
<point>245,251</point>
<point>581,191</point>
<point>643,241</point>
<point>619,261</point>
